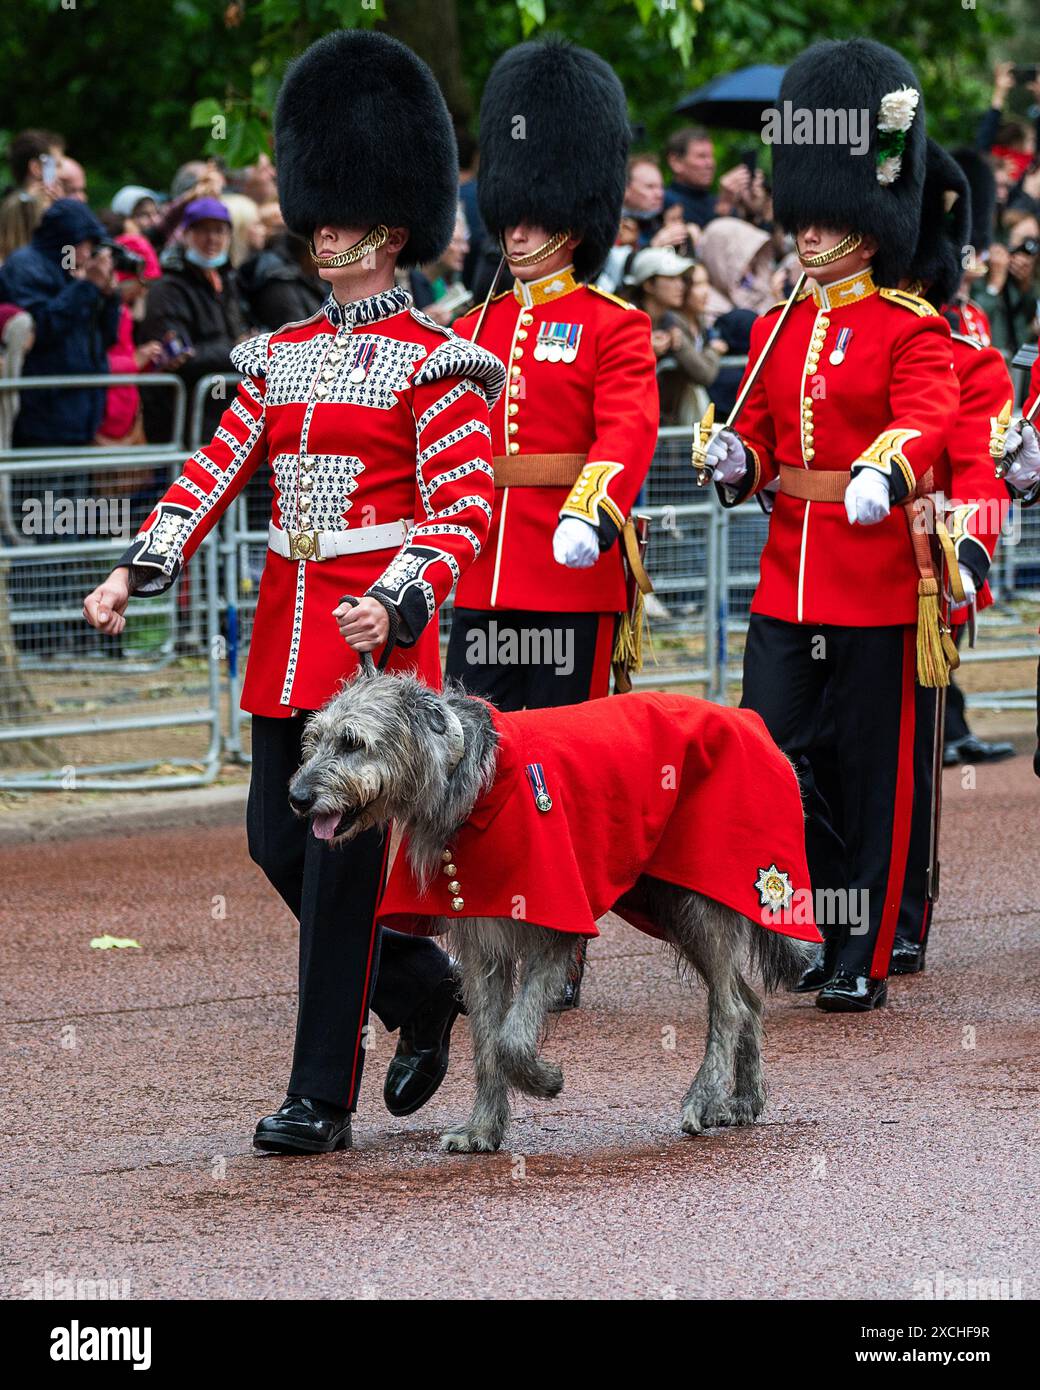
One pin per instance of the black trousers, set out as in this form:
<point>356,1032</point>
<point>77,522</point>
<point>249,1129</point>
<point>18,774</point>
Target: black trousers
<point>915,910</point>
<point>956,722</point>
<point>859,856</point>
<point>346,961</point>
<point>531,660</point>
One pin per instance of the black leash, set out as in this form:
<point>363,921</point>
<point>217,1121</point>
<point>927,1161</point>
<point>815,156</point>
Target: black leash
<point>368,664</point>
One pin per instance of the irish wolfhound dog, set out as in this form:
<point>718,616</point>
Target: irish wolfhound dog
<point>388,748</point>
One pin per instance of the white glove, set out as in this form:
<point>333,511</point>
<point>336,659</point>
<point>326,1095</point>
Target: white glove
<point>575,543</point>
<point>1024,471</point>
<point>727,456</point>
<point>968,583</point>
<point>867,498</point>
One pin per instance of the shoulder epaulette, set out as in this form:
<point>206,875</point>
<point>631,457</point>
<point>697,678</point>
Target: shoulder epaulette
<point>614,298</point>
<point>971,342</point>
<point>250,357</point>
<point>906,300</point>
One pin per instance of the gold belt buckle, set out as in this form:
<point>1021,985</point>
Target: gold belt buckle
<point>304,545</point>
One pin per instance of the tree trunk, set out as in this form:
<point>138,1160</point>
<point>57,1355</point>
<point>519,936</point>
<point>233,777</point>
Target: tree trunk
<point>431,27</point>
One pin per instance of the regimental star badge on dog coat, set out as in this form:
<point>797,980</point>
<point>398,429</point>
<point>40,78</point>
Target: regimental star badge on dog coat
<point>774,888</point>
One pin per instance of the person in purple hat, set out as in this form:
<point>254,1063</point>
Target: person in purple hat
<point>194,310</point>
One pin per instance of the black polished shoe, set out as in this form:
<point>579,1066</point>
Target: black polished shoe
<point>571,996</point>
<point>852,994</point>
<point>420,1063</point>
<point>304,1126</point>
<point>815,975</point>
<point>976,750</point>
<point>907,958</point>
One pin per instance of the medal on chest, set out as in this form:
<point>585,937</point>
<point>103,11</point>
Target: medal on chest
<point>363,359</point>
<point>557,342</point>
<point>841,347</point>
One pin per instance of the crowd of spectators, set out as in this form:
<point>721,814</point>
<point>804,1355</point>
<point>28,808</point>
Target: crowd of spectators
<point>171,281</point>
<point>701,254</point>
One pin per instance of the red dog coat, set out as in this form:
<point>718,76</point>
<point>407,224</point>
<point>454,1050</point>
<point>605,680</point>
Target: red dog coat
<point>589,797</point>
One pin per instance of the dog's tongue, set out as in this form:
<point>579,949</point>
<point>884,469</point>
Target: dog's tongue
<point>324,825</point>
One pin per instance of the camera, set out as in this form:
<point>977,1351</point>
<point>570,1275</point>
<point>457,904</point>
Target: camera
<point>122,259</point>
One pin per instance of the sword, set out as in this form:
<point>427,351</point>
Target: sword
<point>707,429</point>
<point>999,426</point>
<point>487,299</point>
<point>935,817</point>
<point>943,565</point>
<point>628,645</point>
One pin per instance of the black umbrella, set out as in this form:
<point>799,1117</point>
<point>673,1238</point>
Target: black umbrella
<point>736,100</point>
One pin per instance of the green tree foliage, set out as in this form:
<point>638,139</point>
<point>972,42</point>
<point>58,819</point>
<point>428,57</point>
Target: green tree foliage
<point>137,89</point>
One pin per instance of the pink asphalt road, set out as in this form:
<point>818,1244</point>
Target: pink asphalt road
<point>896,1150</point>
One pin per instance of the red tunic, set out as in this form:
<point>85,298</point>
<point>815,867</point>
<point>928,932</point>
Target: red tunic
<point>890,400</point>
<point>690,792</point>
<point>593,393</point>
<point>368,414</point>
<point>973,322</point>
<point>1034,389</point>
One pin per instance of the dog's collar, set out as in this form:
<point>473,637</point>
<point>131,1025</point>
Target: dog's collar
<point>456,738</point>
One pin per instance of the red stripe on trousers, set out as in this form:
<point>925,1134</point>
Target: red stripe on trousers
<point>926,918</point>
<point>351,1097</point>
<point>902,812</point>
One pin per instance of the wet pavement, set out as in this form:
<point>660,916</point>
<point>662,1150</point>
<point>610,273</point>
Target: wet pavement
<point>896,1150</point>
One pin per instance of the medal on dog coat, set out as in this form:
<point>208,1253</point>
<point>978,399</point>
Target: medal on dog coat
<point>587,798</point>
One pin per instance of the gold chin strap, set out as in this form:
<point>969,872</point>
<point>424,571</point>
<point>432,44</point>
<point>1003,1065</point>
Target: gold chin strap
<point>541,253</point>
<point>370,242</point>
<point>844,246</point>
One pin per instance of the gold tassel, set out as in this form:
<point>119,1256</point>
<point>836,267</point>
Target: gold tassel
<point>933,663</point>
<point>628,645</point>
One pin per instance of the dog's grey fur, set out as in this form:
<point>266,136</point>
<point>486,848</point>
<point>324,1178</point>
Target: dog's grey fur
<point>381,750</point>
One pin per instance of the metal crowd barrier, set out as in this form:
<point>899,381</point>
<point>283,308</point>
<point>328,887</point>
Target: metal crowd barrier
<point>178,666</point>
<point>64,688</point>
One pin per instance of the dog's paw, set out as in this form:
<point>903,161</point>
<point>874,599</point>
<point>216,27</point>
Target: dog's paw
<point>745,1110</point>
<point>708,1112</point>
<point>468,1141</point>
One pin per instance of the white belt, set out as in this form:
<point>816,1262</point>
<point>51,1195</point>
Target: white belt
<point>327,545</point>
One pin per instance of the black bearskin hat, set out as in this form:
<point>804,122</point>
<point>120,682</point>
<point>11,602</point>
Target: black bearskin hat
<point>877,191</point>
<point>362,136</point>
<point>945,226</point>
<point>983,185</point>
<point>554,138</point>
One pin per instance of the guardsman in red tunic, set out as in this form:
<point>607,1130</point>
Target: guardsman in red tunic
<point>1021,458</point>
<point>849,413</point>
<point>1021,447</point>
<point>974,506</point>
<point>374,423</point>
<point>574,433</point>
<point>968,321</point>
<point>537,616</point>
